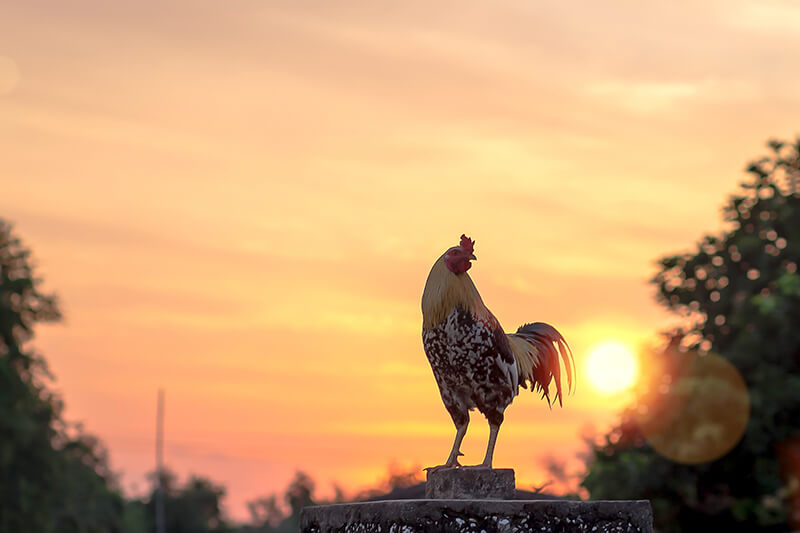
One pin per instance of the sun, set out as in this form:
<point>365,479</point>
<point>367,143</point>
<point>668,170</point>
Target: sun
<point>611,367</point>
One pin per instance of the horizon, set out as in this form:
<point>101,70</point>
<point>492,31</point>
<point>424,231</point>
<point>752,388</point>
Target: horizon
<point>242,208</point>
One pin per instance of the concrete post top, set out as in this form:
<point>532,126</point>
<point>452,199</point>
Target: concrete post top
<point>470,484</point>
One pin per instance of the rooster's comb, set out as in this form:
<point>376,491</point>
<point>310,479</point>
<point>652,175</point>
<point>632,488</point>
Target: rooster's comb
<point>467,244</point>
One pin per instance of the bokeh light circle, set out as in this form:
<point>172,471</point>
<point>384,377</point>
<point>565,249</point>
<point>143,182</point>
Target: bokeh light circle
<point>704,415</point>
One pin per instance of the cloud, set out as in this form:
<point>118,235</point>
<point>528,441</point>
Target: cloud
<point>643,97</point>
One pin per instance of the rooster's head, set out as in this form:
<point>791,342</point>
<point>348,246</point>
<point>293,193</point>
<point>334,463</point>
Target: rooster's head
<point>458,257</point>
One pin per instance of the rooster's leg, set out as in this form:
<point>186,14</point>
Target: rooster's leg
<point>487,461</point>
<point>452,460</point>
<point>456,451</point>
<point>493,430</point>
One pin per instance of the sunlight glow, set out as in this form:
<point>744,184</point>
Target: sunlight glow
<point>611,367</point>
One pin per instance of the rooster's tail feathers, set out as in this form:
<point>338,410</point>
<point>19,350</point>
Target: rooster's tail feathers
<point>536,348</point>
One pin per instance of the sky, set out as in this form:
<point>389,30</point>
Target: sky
<point>240,203</point>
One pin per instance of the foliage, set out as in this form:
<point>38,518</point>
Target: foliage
<point>53,477</point>
<point>194,507</point>
<point>267,515</point>
<point>739,294</point>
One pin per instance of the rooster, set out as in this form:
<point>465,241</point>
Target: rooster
<point>476,364</point>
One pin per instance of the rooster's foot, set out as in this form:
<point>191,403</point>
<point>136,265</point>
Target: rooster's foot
<point>451,463</point>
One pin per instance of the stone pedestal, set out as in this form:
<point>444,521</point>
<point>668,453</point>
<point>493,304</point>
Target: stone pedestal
<point>476,516</point>
<point>477,500</point>
<point>470,484</point>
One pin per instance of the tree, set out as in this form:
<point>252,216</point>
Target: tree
<point>53,477</point>
<point>739,296</point>
<point>194,507</point>
<point>267,516</point>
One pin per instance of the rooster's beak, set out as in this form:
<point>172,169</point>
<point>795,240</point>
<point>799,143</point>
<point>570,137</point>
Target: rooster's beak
<point>472,257</point>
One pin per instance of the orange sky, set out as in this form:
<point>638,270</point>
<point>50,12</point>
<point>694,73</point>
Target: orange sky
<point>241,202</point>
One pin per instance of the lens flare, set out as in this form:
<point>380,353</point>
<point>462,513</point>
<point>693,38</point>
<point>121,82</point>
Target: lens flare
<point>702,415</point>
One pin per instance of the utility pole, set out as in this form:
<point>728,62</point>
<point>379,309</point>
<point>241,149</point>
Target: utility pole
<point>160,524</point>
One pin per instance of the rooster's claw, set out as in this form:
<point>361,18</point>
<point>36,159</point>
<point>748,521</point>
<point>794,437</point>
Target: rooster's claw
<point>432,469</point>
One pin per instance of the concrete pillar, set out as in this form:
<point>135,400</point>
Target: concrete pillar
<point>477,501</point>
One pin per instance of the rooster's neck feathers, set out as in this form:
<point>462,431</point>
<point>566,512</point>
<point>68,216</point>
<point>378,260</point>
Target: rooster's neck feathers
<point>445,290</point>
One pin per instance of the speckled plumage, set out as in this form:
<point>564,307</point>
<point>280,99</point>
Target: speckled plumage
<point>472,364</point>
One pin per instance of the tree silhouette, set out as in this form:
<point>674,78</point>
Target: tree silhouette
<point>194,507</point>
<point>267,515</point>
<point>739,295</point>
<point>53,477</point>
